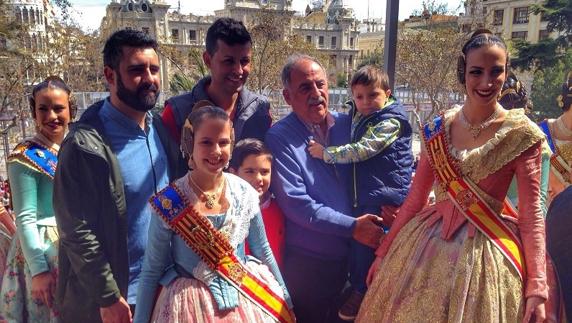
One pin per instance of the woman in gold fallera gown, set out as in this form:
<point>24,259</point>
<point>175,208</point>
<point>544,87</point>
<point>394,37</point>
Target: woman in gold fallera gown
<point>559,136</point>
<point>443,263</point>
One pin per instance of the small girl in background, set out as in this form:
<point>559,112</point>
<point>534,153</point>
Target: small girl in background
<point>252,161</point>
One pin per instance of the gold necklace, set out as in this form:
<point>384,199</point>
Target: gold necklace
<point>476,130</point>
<point>208,198</point>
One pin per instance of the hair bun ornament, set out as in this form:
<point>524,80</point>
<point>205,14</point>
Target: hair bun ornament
<point>565,98</point>
<point>513,94</point>
<point>187,136</point>
<point>202,104</point>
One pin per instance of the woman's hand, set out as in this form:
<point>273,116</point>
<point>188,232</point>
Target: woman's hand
<point>44,288</point>
<point>372,271</point>
<point>534,305</point>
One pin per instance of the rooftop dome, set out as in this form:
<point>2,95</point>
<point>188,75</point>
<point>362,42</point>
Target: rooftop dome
<point>339,9</point>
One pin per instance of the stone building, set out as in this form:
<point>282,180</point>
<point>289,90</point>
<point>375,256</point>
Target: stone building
<point>37,16</point>
<point>510,19</point>
<point>371,37</point>
<point>329,25</point>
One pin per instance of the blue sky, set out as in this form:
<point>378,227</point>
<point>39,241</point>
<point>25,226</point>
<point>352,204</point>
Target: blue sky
<point>89,12</point>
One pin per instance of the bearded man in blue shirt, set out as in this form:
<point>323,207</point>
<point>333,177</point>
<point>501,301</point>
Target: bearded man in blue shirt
<point>114,158</point>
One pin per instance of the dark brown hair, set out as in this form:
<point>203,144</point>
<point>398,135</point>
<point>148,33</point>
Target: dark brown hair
<point>194,121</point>
<point>565,99</point>
<point>53,82</point>
<point>370,74</point>
<point>247,147</point>
<point>480,38</point>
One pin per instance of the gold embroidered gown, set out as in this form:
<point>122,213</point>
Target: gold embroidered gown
<point>437,267</point>
<point>559,178</point>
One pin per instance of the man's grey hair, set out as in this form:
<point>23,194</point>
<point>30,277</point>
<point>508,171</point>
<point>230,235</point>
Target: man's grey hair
<point>291,61</point>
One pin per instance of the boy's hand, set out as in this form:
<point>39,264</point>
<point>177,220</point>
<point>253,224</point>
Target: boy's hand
<point>315,149</point>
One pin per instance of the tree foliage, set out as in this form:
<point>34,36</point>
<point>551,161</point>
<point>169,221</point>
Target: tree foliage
<point>547,85</point>
<point>68,52</point>
<point>181,83</point>
<point>426,65</point>
<point>373,58</point>
<point>187,65</point>
<point>273,42</point>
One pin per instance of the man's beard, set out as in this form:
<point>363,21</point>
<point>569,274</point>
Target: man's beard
<point>137,100</point>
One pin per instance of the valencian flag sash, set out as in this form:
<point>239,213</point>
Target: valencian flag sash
<point>36,156</point>
<point>558,164</point>
<point>216,251</point>
<point>462,193</point>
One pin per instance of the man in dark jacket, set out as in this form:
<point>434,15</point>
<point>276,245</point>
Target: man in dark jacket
<point>114,158</point>
<point>228,55</point>
<point>558,242</point>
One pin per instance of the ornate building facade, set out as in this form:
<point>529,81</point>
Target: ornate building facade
<point>510,19</point>
<point>330,25</point>
<point>37,16</point>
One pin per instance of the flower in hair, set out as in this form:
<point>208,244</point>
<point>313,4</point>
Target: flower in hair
<point>560,100</point>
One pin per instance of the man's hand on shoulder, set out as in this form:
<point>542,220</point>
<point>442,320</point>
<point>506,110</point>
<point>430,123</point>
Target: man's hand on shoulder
<point>368,230</point>
<point>118,312</point>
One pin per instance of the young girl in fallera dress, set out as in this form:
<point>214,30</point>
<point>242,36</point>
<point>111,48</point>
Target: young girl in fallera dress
<point>196,240</point>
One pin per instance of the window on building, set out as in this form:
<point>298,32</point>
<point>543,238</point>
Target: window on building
<point>543,34</point>
<point>498,17</point>
<point>309,39</point>
<point>175,35</point>
<point>25,15</point>
<point>334,42</point>
<point>193,35</point>
<point>321,41</point>
<point>520,15</point>
<point>18,16</point>
<point>351,42</point>
<point>520,35</point>
<point>145,29</point>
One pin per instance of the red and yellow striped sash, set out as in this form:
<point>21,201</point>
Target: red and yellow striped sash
<point>216,251</point>
<point>463,194</point>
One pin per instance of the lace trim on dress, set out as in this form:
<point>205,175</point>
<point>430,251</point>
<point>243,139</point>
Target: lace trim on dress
<point>516,135</point>
<point>237,218</point>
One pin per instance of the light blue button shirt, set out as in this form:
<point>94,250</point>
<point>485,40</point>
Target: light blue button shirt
<point>143,165</point>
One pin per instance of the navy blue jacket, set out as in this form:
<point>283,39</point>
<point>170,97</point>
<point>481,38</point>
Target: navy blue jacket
<point>385,178</point>
<point>251,120</point>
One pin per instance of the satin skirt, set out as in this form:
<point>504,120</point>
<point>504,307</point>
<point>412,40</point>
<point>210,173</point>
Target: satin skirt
<point>424,278</point>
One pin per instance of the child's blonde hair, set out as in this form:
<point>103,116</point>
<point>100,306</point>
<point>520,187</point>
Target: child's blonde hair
<point>370,74</point>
